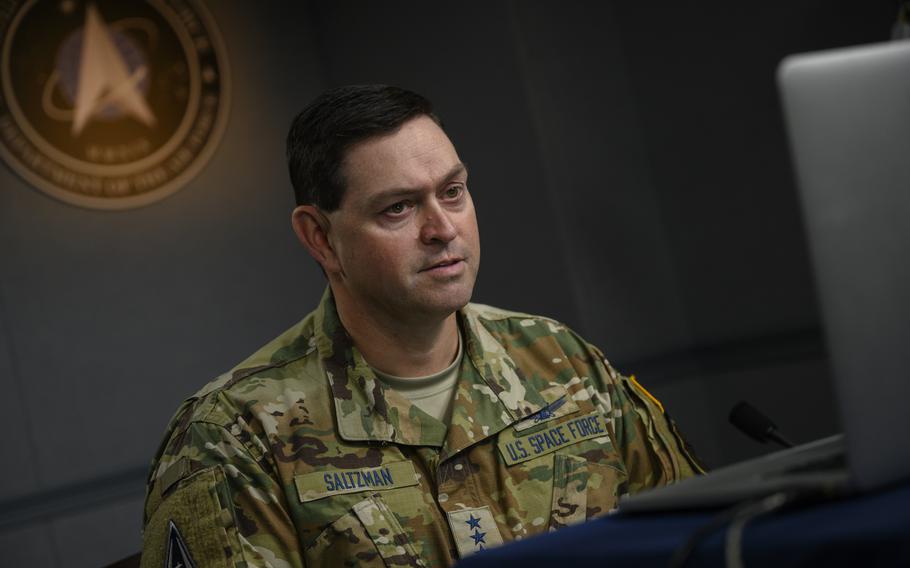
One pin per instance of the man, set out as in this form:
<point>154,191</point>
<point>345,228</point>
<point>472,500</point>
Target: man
<point>397,424</point>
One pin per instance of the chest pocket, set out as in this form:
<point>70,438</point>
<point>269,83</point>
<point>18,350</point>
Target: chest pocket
<point>356,517</point>
<point>572,461</point>
<point>582,490</point>
<point>369,534</point>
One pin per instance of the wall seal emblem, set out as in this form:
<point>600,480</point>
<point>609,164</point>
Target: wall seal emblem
<point>110,104</point>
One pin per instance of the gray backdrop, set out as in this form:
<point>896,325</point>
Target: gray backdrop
<point>631,176</point>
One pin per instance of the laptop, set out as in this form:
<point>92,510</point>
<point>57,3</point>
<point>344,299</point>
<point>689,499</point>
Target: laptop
<point>848,118</point>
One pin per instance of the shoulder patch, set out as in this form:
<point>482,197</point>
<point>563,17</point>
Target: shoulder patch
<point>177,554</point>
<point>643,391</point>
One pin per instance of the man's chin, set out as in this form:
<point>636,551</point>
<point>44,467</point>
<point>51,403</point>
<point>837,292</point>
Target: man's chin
<point>443,305</point>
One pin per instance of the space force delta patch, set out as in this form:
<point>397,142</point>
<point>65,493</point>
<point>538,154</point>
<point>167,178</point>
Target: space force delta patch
<point>319,484</point>
<point>519,448</point>
<point>177,555</point>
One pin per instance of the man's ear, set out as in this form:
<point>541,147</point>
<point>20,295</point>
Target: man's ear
<point>312,229</point>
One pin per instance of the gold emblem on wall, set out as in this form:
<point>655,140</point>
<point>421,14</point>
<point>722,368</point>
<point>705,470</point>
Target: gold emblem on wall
<point>110,104</point>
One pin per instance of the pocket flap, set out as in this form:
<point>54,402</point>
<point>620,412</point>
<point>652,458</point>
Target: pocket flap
<point>386,532</point>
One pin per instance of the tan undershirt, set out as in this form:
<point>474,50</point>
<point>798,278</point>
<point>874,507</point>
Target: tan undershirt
<point>433,393</point>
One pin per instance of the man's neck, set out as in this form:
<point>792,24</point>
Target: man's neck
<point>416,347</point>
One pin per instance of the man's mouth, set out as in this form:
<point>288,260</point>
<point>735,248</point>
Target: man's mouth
<point>443,264</point>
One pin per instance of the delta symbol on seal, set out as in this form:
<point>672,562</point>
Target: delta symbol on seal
<point>110,104</point>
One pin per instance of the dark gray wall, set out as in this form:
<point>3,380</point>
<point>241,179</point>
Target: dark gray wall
<point>109,319</point>
<point>630,172</point>
<point>464,60</point>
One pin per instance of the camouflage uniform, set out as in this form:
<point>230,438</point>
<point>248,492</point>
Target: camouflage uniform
<point>300,456</point>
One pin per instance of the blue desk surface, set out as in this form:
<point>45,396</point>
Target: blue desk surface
<point>868,530</point>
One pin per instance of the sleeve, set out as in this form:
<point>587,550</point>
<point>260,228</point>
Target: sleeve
<point>653,450</point>
<point>211,502</point>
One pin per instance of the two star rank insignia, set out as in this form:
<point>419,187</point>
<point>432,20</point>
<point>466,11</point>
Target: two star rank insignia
<point>474,530</point>
<point>477,536</point>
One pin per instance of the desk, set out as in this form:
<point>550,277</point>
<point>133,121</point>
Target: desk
<point>868,530</point>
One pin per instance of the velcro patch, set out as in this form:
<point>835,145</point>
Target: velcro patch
<point>474,530</point>
<point>644,391</point>
<point>320,484</point>
<point>516,449</point>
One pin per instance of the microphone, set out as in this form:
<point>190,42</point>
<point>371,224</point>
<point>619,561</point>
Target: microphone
<point>756,425</point>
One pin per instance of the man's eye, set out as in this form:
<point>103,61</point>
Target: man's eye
<point>396,208</point>
<point>454,191</point>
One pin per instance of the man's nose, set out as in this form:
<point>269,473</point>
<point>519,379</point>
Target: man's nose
<point>437,225</point>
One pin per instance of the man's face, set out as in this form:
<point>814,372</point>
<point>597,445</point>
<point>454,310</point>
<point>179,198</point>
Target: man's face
<point>405,235</point>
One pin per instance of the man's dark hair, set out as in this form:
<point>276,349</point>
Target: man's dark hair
<point>341,117</point>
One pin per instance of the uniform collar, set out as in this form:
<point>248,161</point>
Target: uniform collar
<point>490,393</point>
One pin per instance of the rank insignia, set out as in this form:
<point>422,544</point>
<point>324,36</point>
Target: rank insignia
<point>474,530</point>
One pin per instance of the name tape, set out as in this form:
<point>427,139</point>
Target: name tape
<point>320,484</point>
<point>518,449</point>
